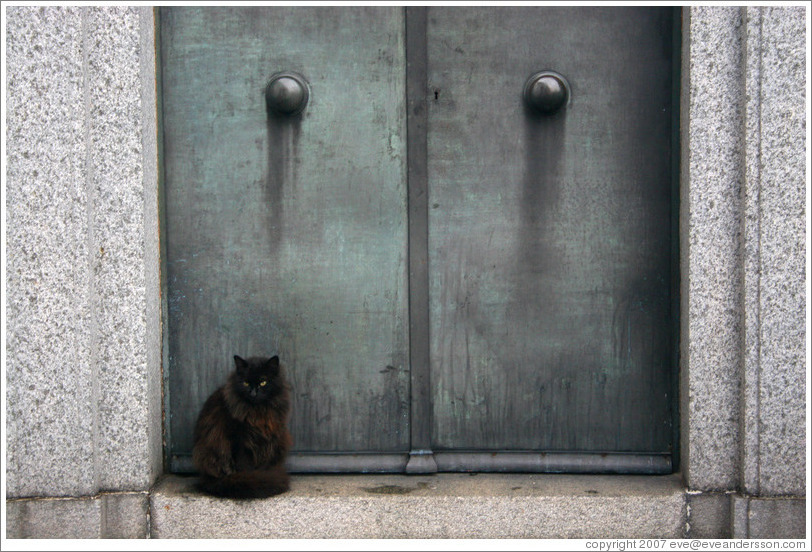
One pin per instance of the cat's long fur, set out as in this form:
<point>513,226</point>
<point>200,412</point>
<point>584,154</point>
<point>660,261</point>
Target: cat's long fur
<point>241,437</point>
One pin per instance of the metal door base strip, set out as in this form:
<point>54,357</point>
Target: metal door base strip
<point>496,462</point>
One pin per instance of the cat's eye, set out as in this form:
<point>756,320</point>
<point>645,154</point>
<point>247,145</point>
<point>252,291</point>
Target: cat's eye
<point>263,383</point>
<point>246,384</point>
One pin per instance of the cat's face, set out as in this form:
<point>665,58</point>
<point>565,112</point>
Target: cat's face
<point>257,379</point>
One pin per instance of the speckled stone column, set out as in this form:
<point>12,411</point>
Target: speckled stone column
<point>774,279</point>
<point>743,251</point>
<point>83,323</point>
<point>710,211</point>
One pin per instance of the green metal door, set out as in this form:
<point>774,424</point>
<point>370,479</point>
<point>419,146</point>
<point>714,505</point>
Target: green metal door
<point>288,234</point>
<point>550,235</point>
<point>454,279</point>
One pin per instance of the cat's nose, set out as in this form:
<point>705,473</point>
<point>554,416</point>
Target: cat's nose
<point>253,392</point>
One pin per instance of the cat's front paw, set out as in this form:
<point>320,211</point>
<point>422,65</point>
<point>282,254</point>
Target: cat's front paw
<point>217,467</point>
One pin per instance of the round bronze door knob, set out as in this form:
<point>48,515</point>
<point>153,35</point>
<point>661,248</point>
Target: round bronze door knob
<point>287,93</point>
<point>547,92</point>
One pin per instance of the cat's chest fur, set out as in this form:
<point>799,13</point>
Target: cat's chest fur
<point>260,432</point>
<point>260,424</point>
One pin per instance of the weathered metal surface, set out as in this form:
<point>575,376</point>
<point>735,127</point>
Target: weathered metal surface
<point>520,298</point>
<point>550,235</point>
<point>554,462</point>
<point>288,234</point>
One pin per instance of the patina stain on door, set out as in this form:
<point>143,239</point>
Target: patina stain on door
<point>454,279</point>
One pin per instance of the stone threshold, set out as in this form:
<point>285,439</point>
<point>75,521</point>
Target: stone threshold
<point>459,506</point>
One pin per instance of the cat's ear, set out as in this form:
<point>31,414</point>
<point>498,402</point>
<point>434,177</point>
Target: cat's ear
<point>240,363</point>
<point>273,363</point>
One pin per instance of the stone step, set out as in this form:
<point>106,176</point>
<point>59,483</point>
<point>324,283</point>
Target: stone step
<point>483,506</point>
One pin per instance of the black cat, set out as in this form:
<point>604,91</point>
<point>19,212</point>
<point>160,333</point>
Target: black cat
<point>241,438</point>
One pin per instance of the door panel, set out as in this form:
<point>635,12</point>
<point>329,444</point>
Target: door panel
<point>288,234</point>
<point>549,236</point>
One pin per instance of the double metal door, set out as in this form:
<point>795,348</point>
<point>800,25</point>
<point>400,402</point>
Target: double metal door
<point>456,226</point>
